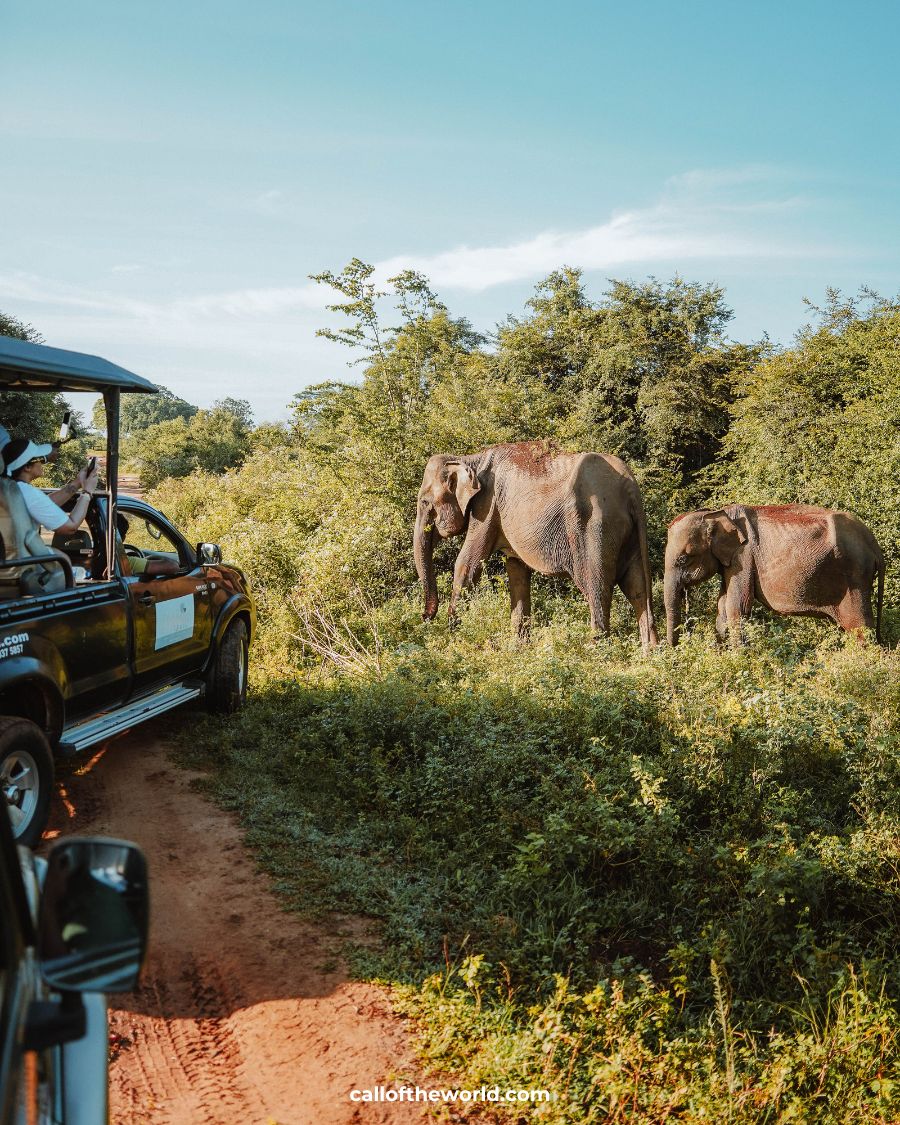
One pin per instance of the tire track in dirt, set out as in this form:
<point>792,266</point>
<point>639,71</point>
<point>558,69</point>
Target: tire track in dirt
<point>245,1014</point>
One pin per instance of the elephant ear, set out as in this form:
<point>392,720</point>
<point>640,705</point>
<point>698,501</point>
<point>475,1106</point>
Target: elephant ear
<point>465,485</point>
<point>725,536</point>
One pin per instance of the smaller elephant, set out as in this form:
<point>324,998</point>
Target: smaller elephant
<point>793,558</point>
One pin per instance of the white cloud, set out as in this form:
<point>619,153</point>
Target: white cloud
<point>699,216</point>
<point>260,341</point>
<point>269,202</point>
<point>260,302</point>
<point>704,214</point>
<point>626,238</point>
<point>247,303</point>
<point>702,181</point>
<point>47,293</point>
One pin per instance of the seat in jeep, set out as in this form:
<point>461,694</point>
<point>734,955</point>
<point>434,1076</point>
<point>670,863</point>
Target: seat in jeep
<point>20,540</point>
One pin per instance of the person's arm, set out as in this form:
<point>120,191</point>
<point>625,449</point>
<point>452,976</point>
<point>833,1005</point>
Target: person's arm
<point>65,493</point>
<point>152,568</point>
<point>87,483</point>
<point>76,516</point>
<point>161,566</point>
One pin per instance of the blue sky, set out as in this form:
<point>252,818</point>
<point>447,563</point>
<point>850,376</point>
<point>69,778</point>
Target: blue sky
<point>173,172</point>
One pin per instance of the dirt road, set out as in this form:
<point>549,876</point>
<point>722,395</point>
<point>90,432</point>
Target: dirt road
<point>245,1014</point>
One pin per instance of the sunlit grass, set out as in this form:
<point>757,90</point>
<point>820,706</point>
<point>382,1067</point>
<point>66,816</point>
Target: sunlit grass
<point>664,887</point>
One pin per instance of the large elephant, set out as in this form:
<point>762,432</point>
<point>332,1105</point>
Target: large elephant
<point>793,558</point>
<point>579,514</point>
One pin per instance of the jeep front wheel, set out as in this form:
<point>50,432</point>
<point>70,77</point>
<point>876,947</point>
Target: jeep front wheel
<point>226,686</point>
<point>26,778</point>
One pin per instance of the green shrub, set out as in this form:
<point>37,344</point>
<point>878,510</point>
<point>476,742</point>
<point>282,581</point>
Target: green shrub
<point>597,830</point>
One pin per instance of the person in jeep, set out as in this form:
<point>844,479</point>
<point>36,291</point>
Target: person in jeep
<point>24,462</point>
<point>149,568</point>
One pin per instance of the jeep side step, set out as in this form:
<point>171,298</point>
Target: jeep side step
<point>79,736</point>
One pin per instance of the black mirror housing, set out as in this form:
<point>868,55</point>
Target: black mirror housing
<point>94,914</point>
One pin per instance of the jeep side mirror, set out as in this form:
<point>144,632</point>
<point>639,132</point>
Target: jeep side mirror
<point>209,554</point>
<point>92,928</point>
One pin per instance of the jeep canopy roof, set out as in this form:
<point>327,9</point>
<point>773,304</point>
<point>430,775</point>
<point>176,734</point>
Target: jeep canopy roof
<point>35,367</point>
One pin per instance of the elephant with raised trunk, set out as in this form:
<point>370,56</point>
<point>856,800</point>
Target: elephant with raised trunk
<point>793,558</point>
<point>579,514</point>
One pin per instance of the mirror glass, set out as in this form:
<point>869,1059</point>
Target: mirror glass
<point>152,530</point>
<point>209,553</point>
<point>92,931</point>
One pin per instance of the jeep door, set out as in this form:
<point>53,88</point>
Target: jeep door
<point>171,613</point>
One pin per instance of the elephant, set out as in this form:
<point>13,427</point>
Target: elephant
<point>579,514</point>
<point>793,558</point>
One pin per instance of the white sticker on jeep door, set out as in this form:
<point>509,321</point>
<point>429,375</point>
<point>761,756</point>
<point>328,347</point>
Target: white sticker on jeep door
<point>174,620</point>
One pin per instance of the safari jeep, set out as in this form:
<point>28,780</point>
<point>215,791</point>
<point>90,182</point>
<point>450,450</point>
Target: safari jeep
<point>89,647</point>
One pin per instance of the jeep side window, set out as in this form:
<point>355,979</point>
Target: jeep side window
<point>144,538</point>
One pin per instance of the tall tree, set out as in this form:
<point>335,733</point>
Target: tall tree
<point>29,415</point>
<point>379,431</point>
<point>138,411</point>
<point>646,372</point>
<point>209,440</point>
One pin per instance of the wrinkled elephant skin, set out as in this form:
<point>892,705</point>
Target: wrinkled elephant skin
<point>579,514</point>
<point>793,558</point>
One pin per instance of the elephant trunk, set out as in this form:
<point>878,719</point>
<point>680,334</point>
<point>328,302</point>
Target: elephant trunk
<point>423,545</point>
<point>673,595</point>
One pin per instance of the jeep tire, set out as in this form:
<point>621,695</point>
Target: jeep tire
<point>26,778</point>
<point>226,685</point>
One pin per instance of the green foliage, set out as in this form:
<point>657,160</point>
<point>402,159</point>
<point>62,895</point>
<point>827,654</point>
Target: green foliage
<point>18,329</point>
<point>640,883</point>
<point>646,373</point>
<point>209,440</point>
<point>820,423</point>
<point>377,435</point>
<point>139,411</point>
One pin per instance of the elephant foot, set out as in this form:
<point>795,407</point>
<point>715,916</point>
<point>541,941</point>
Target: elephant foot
<point>521,629</point>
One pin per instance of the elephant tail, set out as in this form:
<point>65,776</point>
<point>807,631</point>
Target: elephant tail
<point>881,568</point>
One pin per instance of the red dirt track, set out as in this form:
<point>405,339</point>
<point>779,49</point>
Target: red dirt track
<point>245,1015</point>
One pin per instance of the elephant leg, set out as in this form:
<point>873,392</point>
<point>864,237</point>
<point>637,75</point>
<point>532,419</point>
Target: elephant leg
<point>734,613</point>
<point>854,613</point>
<point>634,588</point>
<point>593,568</point>
<point>722,617</point>
<point>598,594</point>
<point>519,597</point>
<point>467,570</point>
